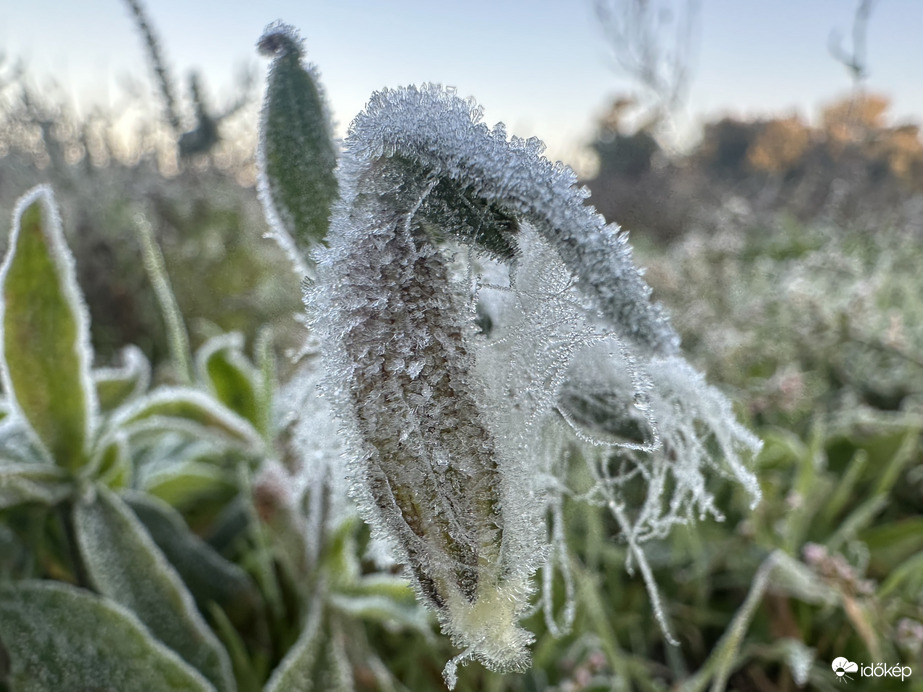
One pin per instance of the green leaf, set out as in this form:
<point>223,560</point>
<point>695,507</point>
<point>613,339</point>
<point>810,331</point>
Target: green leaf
<point>189,409</point>
<point>297,671</point>
<point>892,543</point>
<point>116,386</point>
<point>208,576</point>
<point>474,220</point>
<point>908,576</point>
<point>230,376</point>
<point>114,467</point>
<point>62,638</point>
<point>124,564</point>
<point>385,599</point>
<point>297,155</point>
<point>45,347</point>
<point>191,481</point>
<point>22,483</point>
<point>247,668</point>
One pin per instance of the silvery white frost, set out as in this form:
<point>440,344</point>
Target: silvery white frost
<point>457,436</point>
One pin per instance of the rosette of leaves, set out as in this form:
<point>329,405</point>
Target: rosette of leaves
<point>69,435</point>
<point>96,463</point>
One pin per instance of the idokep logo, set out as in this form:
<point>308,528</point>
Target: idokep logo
<point>842,667</point>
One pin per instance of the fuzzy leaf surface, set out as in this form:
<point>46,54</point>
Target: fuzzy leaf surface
<point>22,483</point>
<point>46,353</point>
<point>230,376</point>
<point>207,575</point>
<point>62,638</point>
<point>126,565</point>
<point>297,154</point>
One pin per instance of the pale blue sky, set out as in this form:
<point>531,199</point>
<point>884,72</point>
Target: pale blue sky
<point>541,66</point>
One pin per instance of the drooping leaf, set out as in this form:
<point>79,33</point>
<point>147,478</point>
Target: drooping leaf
<point>208,576</point>
<point>115,386</point>
<point>179,406</point>
<point>125,564</point>
<point>297,155</point>
<point>46,355</point>
<point>22,483</point>
<point>191,481</point>
<point>234,381</point>
<point>62,638</point>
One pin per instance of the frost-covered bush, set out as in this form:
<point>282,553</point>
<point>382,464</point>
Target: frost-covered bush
<point>478,324</point>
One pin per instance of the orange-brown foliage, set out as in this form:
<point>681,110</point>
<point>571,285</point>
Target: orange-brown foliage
<point>780,145</point>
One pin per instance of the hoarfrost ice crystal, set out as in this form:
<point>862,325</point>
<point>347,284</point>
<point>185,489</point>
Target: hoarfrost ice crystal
<point>457,438</point>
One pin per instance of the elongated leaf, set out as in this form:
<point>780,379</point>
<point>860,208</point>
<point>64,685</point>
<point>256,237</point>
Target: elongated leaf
<point>21,483</point>
<point>115,386</point>
<point>297,155</point>
<point>168,405</point>
<point>230,376</point>
<point>191,481</point>
<point>208,576</point>
<point>62,638</point>
<point>46,355</point>
<point>297,671</point>
<point>380,608</point>
<point>125,565</point>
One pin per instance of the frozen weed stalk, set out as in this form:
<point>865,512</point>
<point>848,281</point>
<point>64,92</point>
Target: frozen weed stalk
<point>479,323</point>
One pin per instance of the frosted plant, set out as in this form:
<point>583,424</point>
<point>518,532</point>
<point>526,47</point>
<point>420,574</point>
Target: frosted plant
<point>297,153</point>
<point>456,438</point>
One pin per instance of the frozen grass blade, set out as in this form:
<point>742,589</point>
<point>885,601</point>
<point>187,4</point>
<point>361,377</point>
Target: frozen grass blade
<point>177,337</point>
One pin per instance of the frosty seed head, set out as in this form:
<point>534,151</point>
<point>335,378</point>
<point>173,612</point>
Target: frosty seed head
<point>458,437</point>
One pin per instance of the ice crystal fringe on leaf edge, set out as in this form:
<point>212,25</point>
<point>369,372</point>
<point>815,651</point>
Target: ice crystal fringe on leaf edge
<point>57,398</point>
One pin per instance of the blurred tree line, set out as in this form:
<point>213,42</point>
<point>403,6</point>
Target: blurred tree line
<point>852,162</point>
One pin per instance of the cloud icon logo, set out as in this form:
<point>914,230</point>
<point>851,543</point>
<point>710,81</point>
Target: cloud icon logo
<point>841,666</point>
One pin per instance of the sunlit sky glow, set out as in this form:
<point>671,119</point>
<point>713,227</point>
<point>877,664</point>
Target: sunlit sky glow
<point>541,66</point>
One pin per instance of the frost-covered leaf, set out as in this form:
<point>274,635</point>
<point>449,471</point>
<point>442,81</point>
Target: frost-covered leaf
<point>18,444</point>
<point>794,578</point>
<point>234,381</point>
<point>442,136</point>
<point>59,637</point>
<point>22,483</point>
<point>188,482</point>
<point>208,576</point>
<point>114,466</point>
<point>297,154</point>
<point>190,409</point>
<point>297,672</point>
<point>125,564</point>
<point>45,333</point>
<point>117,385</point>
<point>382,598</point>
